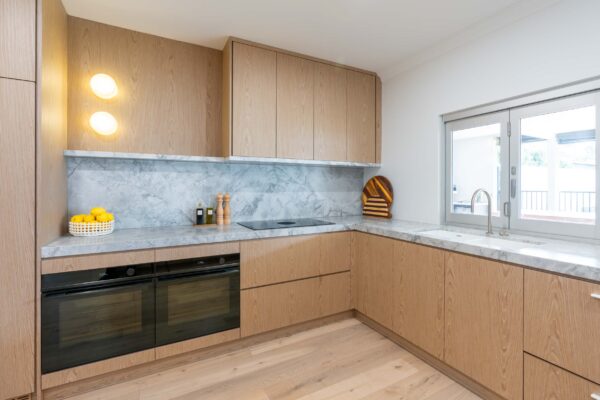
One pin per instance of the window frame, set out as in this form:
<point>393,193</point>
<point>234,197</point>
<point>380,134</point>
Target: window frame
<point>502,118</point>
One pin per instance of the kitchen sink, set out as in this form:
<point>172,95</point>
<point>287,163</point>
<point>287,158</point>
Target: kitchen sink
<point>492,241</point>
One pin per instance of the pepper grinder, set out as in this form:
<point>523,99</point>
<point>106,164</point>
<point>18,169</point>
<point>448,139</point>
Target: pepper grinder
<point>227,212</point>
<point>219,209</point>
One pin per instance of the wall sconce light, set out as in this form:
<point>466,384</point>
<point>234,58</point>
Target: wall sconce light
<point>104,86</point>
<point>103,123</point>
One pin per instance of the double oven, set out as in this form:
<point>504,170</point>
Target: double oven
<point>97,314</point>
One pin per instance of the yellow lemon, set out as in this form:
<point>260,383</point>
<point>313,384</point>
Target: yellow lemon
<point>89,218</point>
<point>111,217</point>
<point>97,211</point>
<point>77,218</point>
<point>104,217</point>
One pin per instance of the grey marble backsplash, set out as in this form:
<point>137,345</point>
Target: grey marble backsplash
<point>146,193</point>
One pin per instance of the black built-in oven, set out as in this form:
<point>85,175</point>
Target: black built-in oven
<point>97,314</point>
<point>92,315</point>
<point>197,297</point>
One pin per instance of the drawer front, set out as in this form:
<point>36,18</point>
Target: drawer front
<point>562,322</point>
<point>545,381</point>
<point>269,261</point>
<point>276,306</point>
<point>203,250</point>
<point>80,263</point>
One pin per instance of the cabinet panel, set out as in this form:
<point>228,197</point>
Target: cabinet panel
<point>372,276</point>
<point>277,260</point>
<point>484,322</point>
<point>17,211</point>
<point>276,306</point>
<point>419,296</point>
<point>330,113</point>
<point>80,263</point>
<point>562,322</point>
<point>545,381</point>
<point>254,101</point>
<point>334,294</point>
<point>295,107</point>
<point>361,117</point>
<point>17,39</point>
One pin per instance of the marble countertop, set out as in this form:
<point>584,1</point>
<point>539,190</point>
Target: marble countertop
<point>577,259</point>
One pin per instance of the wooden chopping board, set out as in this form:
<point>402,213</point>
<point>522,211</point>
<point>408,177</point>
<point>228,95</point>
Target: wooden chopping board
<point>377,197</point>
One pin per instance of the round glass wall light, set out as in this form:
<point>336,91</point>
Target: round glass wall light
<point>103,123</point>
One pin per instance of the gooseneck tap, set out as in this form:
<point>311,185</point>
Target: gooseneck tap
<point>489,208</point>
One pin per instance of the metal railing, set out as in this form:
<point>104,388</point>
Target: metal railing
<point>568,201</point>
<point>534,200</point>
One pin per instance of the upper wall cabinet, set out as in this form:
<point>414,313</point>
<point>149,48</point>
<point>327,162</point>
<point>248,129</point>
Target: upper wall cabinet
<point>17,39</point>
<point>277,104</point>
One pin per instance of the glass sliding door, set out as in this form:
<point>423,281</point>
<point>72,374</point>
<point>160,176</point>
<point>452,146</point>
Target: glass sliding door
<point>477,158</point>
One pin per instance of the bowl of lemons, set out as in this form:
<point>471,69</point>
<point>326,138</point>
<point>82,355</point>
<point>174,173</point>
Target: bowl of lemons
<point>97,223</point>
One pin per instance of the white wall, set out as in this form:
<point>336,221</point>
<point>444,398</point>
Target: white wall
<point>558,45</point>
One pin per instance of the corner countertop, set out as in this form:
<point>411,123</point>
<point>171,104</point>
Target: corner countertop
<point>575,259</point>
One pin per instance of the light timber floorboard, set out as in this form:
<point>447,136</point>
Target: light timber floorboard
<point>343,360</point>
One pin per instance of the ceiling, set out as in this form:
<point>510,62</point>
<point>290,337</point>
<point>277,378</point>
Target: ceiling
<point>376,35</point>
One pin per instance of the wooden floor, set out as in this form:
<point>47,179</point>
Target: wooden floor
<point>344,360</point>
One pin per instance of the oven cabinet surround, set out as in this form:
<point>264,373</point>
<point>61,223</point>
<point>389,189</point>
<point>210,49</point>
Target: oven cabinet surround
<point>282,105</point>
<point>463,310</point>
<point>286,281</point>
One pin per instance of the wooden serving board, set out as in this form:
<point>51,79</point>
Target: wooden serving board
<point>377,197</point>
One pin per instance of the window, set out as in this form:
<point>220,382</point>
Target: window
<point>538,163</point>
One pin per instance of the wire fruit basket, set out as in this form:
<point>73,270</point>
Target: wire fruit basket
<point>91,228</point>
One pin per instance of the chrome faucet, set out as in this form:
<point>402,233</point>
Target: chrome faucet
<point>489,208</point>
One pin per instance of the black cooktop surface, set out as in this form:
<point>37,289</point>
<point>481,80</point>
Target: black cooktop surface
<point>283,223</point>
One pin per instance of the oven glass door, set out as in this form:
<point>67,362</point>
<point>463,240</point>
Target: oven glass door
<point>87,325</point>
<point>197,304</point>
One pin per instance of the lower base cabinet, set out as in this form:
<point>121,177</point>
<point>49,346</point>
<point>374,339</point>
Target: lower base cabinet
<point>276,306</point>
<point>545,381</point>
<point>484,322</point>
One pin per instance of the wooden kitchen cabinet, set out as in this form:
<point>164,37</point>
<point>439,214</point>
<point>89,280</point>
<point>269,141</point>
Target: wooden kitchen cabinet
<point>254,101</point>
<point>360,123</point>
<point>372,277</point>
<point>562,322</point>
<point>545,381</point>
<point>17,211</point>
<point>269,261</point>
<point>330,113</point>
<point>17,39</point>
<point>484,322</point>
<point>418,296</point>
<point>295,107</point>
<point>276,306</point>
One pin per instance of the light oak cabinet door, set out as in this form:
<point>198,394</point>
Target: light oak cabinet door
<point>418,296</point>
<point>254,101</point>
<point>360,117</point>
<point>544,381</point>
<point>276,306</point>
<point>330,113</point>
<point>484,322</point>
<point>17,39</point>
<point>372,277</point>
<point>295,107</point>
<point>562,322</point>
<point>17,211</point>
<point>269,261</point>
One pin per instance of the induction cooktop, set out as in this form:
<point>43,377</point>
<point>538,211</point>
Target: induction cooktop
<point>283,223</point>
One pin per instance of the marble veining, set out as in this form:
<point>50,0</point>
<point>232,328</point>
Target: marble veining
<point>575,259</point>
<point>151,193</point>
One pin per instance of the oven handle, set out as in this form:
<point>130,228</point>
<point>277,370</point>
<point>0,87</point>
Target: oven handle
<point>208,273</point>
<point>105,288</point>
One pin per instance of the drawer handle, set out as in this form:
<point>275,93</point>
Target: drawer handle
<point>595,396</point>
<point>596,296</point>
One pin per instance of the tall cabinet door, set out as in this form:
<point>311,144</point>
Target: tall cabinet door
<point>330,113</point>
<point>419,296</point>
<point>295,107</point>
<point>17,39</point>
<point>484,322</point>
<point>254,101</point>
<point>361,117</point>
<point>17,247</point>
